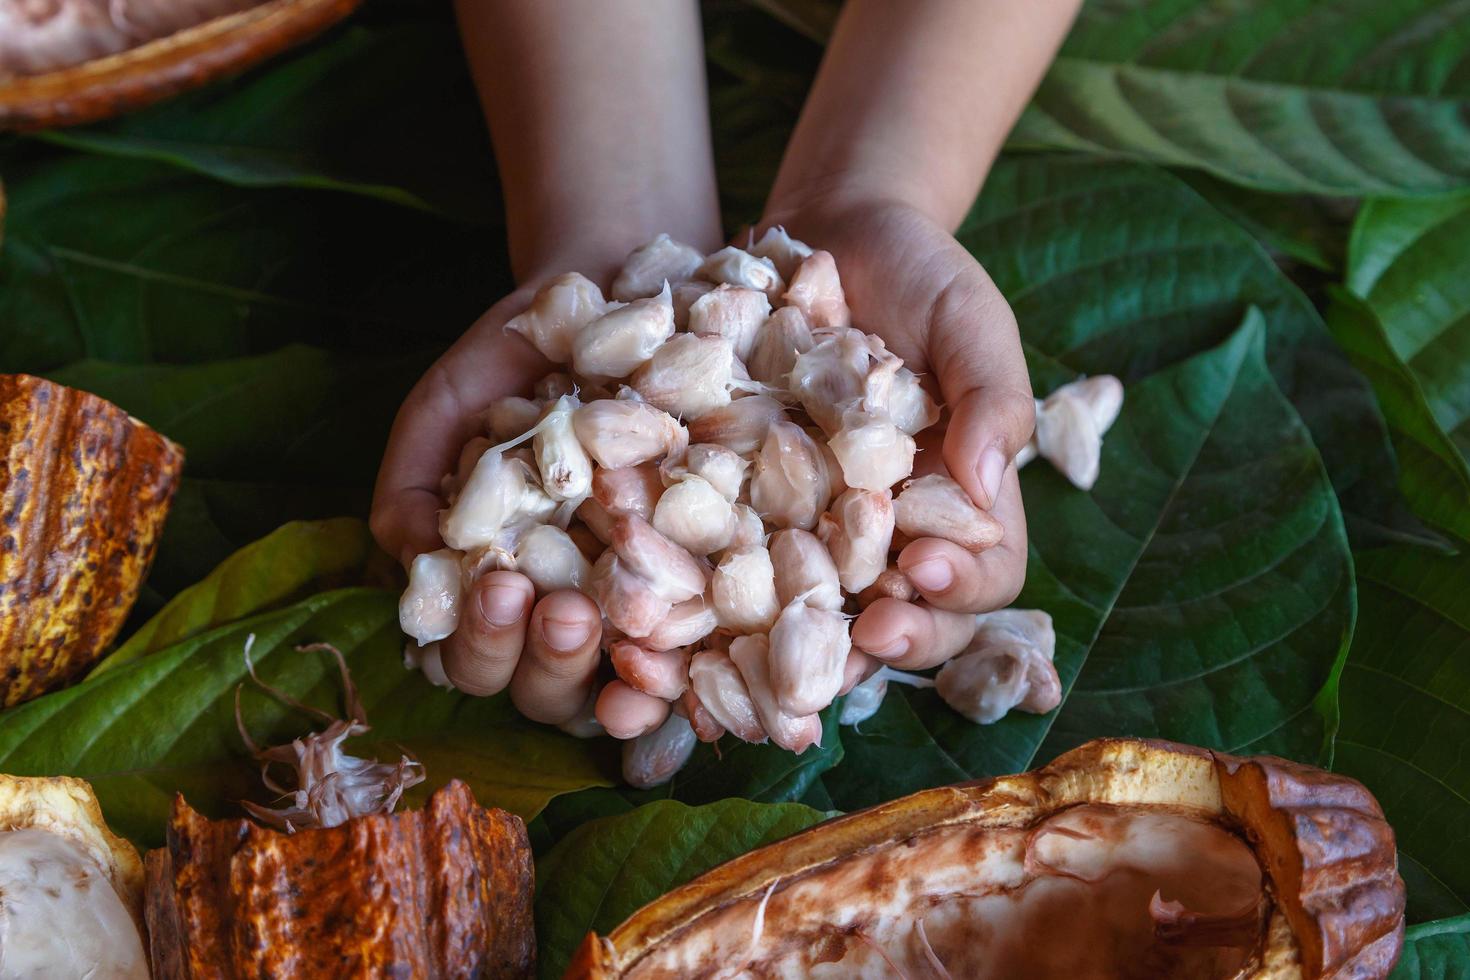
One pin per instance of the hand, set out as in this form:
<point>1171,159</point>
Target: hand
<point>547,655</point>
<point>910,282</point>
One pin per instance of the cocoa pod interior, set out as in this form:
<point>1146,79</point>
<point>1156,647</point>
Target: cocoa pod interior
<point>1122,858</point>
<point>230,36</point>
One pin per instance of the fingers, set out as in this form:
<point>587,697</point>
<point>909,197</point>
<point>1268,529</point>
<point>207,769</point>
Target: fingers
<point>627,712</point>
<point>559,663</point>
<point>982,376</point>
<point>481,655</point>
<point>911,636</point>
<point>437,418</point>
<point>951,578</point>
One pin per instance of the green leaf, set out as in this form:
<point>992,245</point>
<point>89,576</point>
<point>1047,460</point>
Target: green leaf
<point>208,271</point>
<point>360,111</point>
<point>1406,716</point>
<point>1433,474</point>
<point>606,870</point>
<point>279,568</point>
<point>1122,269</point>
<point>166,723</point>
<point>1291,227</point>
<point>1436,951</point>
<point>1408,260</point>
<point>1347,97</point>
<point>296,433</point>
<point>1202,592</point>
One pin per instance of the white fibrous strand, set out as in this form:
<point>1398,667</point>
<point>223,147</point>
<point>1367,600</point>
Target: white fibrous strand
<point>864,700</point>
<point>330,786</point>
<point>510,417</point>
<point>724,464</point>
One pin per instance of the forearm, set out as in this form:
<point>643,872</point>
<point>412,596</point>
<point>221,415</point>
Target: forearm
<point>601,126</point>
<point>913,101</point>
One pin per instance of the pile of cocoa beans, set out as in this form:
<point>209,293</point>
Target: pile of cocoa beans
<point>724,466</point>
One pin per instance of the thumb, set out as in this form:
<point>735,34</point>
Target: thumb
<point>982,376</point>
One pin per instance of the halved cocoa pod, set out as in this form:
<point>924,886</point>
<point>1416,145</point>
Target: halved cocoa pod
<point>84,490</point>
<point>1123,858</point>
<point>440,892</point>
<point>73,61</point>
<point>71,891</point>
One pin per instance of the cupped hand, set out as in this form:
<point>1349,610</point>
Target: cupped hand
<point>909,281</point>
<point>546,652</point>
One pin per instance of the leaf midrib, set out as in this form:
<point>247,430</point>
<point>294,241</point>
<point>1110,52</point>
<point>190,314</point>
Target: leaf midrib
<point>1107,610</point>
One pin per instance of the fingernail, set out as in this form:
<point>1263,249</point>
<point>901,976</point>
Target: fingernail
<point>892,651</point>
<point>502,605</point>
<point>933,575</point>
<point>992,468</point>
<point>564,635</point>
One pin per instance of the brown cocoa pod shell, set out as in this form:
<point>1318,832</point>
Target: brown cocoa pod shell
<point>163,66</point>
<point>84,491</point>
<point>445,891</point>
<point>1333,898</point>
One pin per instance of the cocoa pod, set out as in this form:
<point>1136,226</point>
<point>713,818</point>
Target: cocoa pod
<point>84,490</point>
<point>1309,849</point>
<point>438,892</point>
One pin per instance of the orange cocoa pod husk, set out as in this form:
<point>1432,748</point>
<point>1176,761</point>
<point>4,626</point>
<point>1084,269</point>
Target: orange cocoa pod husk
<point>84,491</point>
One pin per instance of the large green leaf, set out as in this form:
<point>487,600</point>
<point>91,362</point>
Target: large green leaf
<point>1436,951</point>
<point>1406,716</point>
<point>296,433</point>
<point>296,558</point>
<point>606,870</point>
<point>166,723</point>
<point>1344,97</point>
<point>359,111</point>
<point>1433,476</point>
<point>1408,260</point>
<point>207,271</point>
<point>1203,591</point>
<point>1122,269</point>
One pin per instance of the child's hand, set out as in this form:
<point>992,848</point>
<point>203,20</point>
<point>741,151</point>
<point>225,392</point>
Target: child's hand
<point>546,655</point>
<point>910,282</point>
